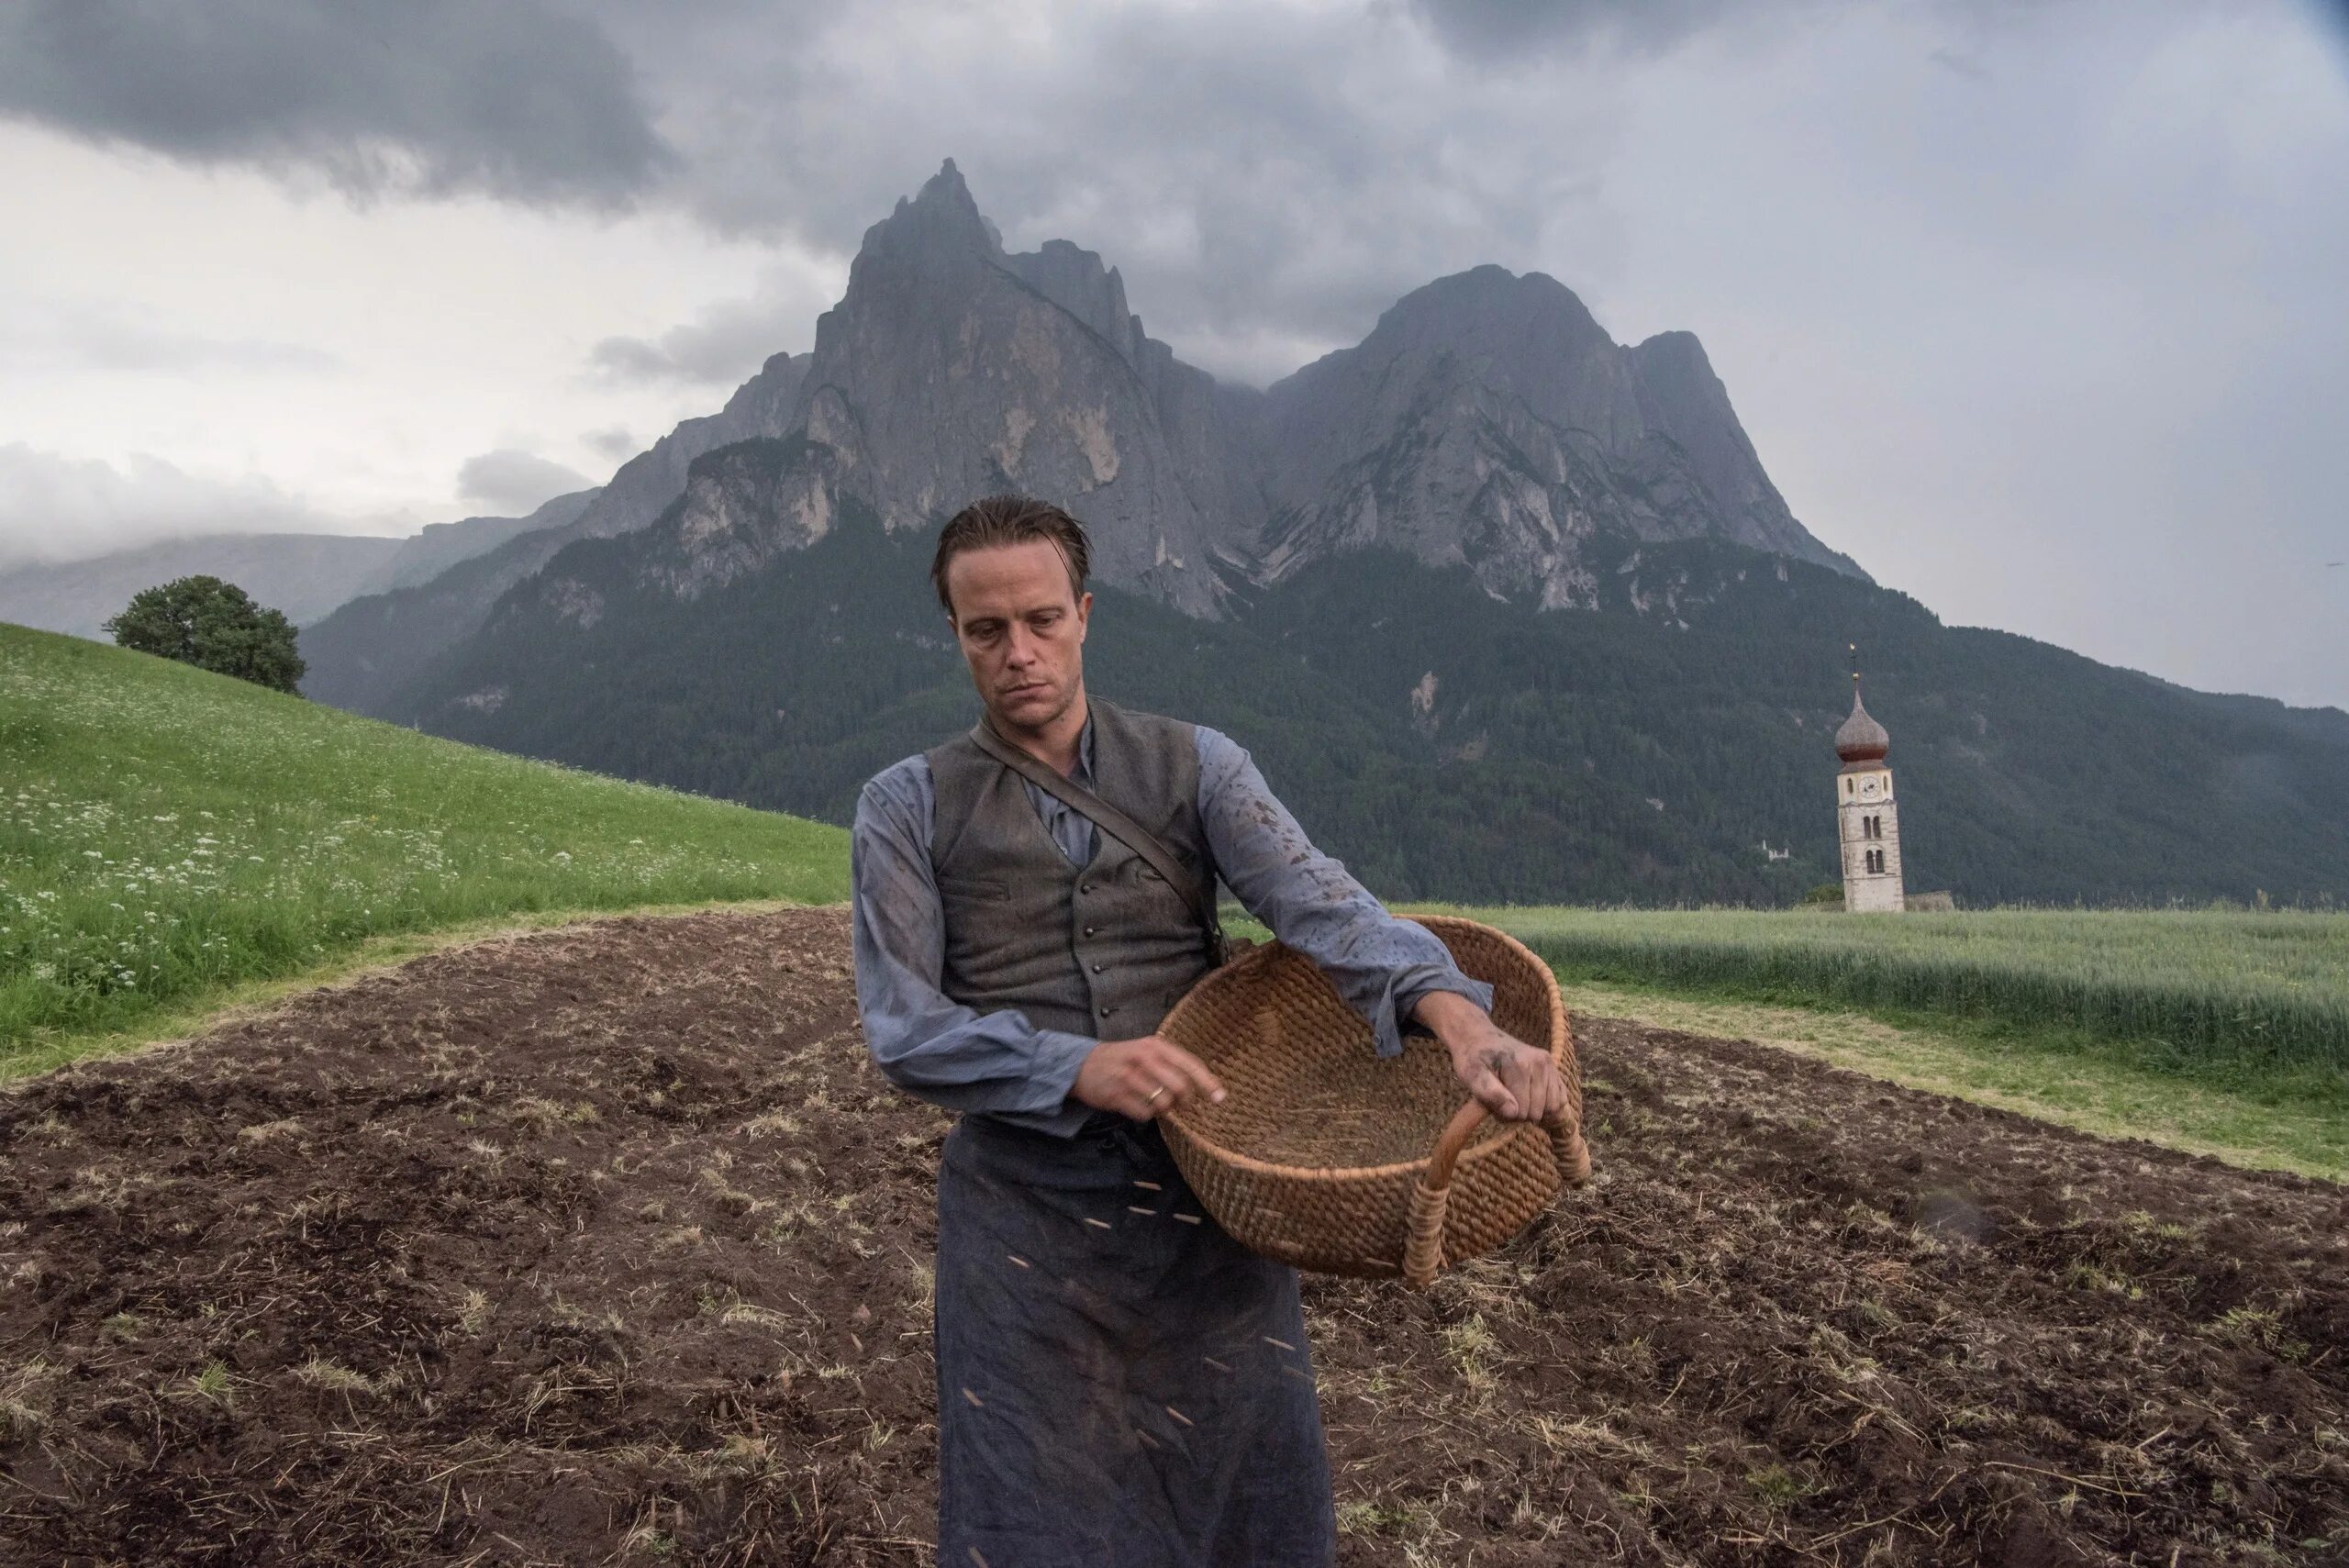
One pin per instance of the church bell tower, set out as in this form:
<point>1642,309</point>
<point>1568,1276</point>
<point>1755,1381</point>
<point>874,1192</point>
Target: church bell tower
<point>1864,813</point>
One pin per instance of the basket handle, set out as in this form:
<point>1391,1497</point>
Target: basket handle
<point>1423,1229</point>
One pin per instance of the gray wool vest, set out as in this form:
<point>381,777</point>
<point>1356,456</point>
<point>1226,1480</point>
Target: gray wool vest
<point>1103,949</point>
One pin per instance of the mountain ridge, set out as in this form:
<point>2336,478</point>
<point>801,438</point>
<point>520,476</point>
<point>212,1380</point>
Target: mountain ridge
<point>1516,608</point>
<point>951,368</point>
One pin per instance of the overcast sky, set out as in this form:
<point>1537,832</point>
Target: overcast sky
<point>2036,309</point>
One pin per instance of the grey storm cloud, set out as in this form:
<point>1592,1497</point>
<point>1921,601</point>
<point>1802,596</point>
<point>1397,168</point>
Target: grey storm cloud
<point>617,443</point>
<point>1924,217</point>
<point>1499,30</point>
<point>1267,178</point>
<point>512,484</point>
<point>516,99</point>
<point>720,347</point>
<point>54,507</point>
<point>83,339</point>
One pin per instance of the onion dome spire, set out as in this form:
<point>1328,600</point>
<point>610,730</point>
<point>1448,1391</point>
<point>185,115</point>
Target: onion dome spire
<point>1862,738</point>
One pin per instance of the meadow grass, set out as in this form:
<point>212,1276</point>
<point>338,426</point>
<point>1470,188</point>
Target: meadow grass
<point>2225,996</point>
<point>2246,1108</point>
<point>2218,1033</point>
<point>168,835</point>
<point>2053,1075</point>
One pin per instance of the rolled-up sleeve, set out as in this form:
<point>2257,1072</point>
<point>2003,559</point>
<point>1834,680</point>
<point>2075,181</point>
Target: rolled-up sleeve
<point>1381,966</point>
<point>924,1043</point>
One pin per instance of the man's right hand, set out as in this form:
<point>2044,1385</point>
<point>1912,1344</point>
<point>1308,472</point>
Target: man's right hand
<point>1139,1078</point>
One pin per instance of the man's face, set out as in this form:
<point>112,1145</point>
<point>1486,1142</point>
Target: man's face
<point>1022,630</point>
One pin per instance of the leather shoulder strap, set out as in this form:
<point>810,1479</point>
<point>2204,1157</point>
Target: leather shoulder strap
<point>1114,822</point>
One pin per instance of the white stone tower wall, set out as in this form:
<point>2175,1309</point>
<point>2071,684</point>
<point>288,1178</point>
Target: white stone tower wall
<point>1865,891</point>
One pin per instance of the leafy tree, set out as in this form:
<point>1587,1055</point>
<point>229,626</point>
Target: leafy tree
<point>214,626</point>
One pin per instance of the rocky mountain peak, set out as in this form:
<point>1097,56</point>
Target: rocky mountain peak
<point>950,370</point>
<point>939,223</point>
<point>1075,279</point>
<point>1489,420</point>
<point>1491,309</point>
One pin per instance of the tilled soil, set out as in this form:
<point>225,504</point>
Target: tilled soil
<point>609,1246</point>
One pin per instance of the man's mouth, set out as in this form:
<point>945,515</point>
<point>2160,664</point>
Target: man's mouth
<point>1021,691</point>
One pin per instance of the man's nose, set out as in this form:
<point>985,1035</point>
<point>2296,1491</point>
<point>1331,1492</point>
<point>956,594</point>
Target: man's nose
<point>1021,646</point>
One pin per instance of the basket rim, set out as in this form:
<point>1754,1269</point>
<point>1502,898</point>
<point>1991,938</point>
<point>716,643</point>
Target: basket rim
<point>1336,1175</point>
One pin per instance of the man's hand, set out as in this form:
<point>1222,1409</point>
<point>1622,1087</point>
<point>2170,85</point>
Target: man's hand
<point>1515,1081</point>
<point>1139,1078</point>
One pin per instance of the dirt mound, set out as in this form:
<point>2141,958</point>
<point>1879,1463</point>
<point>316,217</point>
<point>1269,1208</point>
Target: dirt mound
<point>608,1245</point>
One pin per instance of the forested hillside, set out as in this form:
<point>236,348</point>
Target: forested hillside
<point>1449,744</point>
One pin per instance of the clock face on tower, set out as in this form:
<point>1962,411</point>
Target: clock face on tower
<point>1869,789</point>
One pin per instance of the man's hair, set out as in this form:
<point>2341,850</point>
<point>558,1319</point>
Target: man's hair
<point>1012,519</point>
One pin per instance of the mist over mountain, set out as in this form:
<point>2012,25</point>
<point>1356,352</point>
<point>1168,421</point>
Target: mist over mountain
<point>372,642</point>
<point>304,575</point>
<point>1515,608</point>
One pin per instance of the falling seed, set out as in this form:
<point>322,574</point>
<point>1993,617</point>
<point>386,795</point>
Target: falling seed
<point>1097,1224</point>
<point>1149,1186</point>
<point>1178,1414</point>
<point>1137,1208</point>
<point>1293,1372</point>
<point>977,1558</point>
<point>976,1403</point>
<point>1018,1259</point>
<point>858,1344</point>
<point>1147,1441</point>
<point>1188,1218</point>
<point>1278,1344</point>
<point>1215,1364</point>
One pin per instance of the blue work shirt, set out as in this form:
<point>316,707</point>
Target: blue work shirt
<point>999,1062</point>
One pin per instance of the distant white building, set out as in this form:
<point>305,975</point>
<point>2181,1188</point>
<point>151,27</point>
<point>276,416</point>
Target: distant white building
<point>1866,815</point>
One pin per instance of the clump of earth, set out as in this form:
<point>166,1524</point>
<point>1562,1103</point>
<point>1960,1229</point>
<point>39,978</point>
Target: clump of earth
<point>609,1245</point>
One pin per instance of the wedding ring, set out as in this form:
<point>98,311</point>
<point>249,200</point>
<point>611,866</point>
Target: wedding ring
<point>1154,1093</point>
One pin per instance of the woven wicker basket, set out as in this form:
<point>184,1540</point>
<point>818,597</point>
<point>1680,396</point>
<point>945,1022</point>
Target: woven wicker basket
<point>1327,1156</point>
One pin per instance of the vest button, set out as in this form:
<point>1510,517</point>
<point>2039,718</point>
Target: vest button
<point>1088,930</point>
<point>1097,969</point>
<point>1107,1011</point>
<point>1085,887</point>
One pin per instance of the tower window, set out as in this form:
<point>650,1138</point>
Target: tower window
<point>1847,786</point>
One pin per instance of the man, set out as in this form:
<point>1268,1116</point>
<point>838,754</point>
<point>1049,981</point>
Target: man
<point>1119,1382</point>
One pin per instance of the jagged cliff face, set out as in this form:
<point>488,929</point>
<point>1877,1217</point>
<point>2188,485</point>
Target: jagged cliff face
<point>766,405</point>
<point>1488,420</point>
<point>950,370</point>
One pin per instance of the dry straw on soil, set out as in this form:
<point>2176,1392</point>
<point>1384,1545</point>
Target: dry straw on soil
<point>608,1245</point>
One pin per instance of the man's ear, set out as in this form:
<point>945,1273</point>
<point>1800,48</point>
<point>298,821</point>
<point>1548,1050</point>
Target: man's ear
<point>1084,614</point>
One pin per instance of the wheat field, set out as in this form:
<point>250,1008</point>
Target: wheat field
<point>2264,989</point>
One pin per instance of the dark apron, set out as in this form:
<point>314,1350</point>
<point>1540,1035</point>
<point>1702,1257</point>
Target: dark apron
<point>1121,1384</point>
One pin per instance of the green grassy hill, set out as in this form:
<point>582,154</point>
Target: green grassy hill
<point>167,834</point>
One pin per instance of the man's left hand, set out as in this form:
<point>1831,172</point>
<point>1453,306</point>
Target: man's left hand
<point>1515,1081</point>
